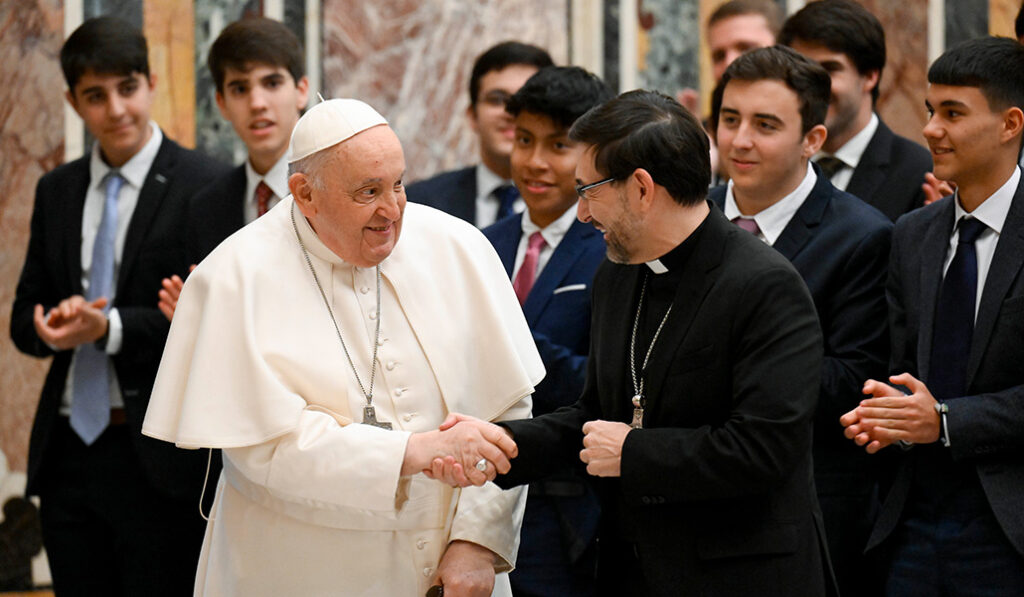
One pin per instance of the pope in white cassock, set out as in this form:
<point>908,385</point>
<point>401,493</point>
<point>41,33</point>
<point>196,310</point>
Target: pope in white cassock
<point>306,333</point>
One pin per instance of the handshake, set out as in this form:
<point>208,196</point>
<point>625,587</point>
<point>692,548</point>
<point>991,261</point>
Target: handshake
<point>463,451</point>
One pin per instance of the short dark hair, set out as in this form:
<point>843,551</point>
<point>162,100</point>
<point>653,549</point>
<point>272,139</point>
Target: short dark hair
<point>736,8</point>
<point>105,46</point>
<point>503,55</point>
<point>562,93</point>
<point>995,65</point>
<point>842,26</point>
<point>255,40</point>
<point>805,77</point>
<point>649,130</point>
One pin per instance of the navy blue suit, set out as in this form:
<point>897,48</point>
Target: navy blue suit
<point>453,192</point>
<point>890,173</point>
<point>562,509</point>
<point>840,247</point>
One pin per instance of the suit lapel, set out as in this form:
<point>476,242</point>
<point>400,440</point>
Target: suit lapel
<point>506,243</point>
<point>693,287</point>
<point>150,197</point>
<point>933,249</point>
<point>465,206</point>
<point>1006,263</point>
<point>870,172</point>
<point>561,263</point>
<point>71,232</point>
<point>801,226</point>
<point>239,182</point>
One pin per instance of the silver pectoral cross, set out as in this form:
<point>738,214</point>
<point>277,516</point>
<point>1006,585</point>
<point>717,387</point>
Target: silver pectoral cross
<point>638,412</point>
<point>370,418</point>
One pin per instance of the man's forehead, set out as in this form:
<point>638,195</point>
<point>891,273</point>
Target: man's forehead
<point>91,78</point>
<point>748,25</point>
<point>247,70</point>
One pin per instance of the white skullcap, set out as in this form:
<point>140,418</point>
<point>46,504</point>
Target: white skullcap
<point>328,123</point>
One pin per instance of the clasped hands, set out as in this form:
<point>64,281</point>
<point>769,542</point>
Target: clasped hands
<point>890,415</point>
<point>602,450</point>
<point>73,322</point>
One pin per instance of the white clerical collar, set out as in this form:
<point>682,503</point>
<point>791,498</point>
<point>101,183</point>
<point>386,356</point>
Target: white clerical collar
<point>657,266</point>
<point>276,178</point>
<point>554,232</point>
<point>134,171</point>
<point>992,211</point>
<point>852,151</point>
<point>774,219</point>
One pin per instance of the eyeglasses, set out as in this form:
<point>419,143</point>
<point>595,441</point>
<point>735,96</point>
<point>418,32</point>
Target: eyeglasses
<point>581,189</point>
<point>496,98</point>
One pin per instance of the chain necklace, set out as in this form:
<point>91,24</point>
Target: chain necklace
<point>369,413</point>
<point>638,385</point>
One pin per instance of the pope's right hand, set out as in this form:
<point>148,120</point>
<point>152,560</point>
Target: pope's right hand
<point>452,453</point>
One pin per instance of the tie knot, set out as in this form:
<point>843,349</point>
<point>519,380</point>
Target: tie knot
<point>536,241</point>
<point>970,229</point>
<point>830,165</point>
<point>114,180</point>
<point>263,191</point>
<point>747,224</point>
<point>506,192</point>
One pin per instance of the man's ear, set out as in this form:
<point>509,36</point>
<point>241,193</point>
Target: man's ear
<point>1013,125</point>
<point>471,117</point>
<point>303,96</point>
<point>70,96</point>
<point>871,81</point>
<point>813,140</point>
<point>302,192</point>
<point>219,97</point>
<point>645,187</point>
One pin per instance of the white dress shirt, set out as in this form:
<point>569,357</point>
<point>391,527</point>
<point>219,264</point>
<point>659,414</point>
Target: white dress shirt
<point>553,234</point>
<point>276,178</point>
<point>774,219</point>
<point>487,204</point>
<point>851,152</point>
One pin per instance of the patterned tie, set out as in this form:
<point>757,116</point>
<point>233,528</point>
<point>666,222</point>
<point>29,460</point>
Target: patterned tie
<point>528,270</point>
<point>263,195</point>
<point>506,195</point>
<point>830,165</point>
<point>747,224</point>
<point>90,404</point>
<point>954,316</point>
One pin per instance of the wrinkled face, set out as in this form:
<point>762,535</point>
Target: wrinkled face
<point>263,105</point>
<point>763,150</point>
<point>962,133</point>
<point>851,91</point>
<point>489,119</point>
<point>358,214</point>
<point>607,208</point>
<point>115,109</point>
<point>544,166</point>
<point>730,38</point>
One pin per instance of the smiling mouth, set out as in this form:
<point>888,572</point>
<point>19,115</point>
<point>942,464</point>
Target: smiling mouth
<point>259,126</point>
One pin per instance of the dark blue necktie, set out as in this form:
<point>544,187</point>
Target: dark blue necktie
<point>954,317</point>
<point>90,404</point>
<point>507,195</point>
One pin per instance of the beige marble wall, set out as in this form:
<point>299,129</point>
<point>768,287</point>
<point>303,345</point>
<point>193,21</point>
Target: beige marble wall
<point>31,143</point>
<point>169,27</point>
<point>411,60</point>
<point>1001,17</point>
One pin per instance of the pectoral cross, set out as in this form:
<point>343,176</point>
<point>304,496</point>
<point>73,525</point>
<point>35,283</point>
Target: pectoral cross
<point>370,418</point>
<point>638,412</point>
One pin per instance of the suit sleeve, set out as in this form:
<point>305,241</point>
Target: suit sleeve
<point>775,372</point>
<point>37,283</point>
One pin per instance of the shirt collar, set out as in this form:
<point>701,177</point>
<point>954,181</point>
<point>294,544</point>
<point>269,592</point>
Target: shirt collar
<point>851,151</point>
<point>675,259</point>
<point>554,232</point>
<point>992,211</point>
<point>276,178</point>
<point>133,171</point>
<point>487,181</point>
<point>773,220</point>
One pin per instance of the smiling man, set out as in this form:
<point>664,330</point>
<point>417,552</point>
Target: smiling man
<point>771,110</point>
<point>320,347</point>
<point>951,520</point>
<point>861,155</point>
<point>258,70</point>
<point>551,258</point>
<point>118,509</point>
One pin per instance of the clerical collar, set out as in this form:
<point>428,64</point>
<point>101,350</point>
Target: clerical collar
<point>675,259</point>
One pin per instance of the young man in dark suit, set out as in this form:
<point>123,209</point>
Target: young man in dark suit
<point>951,522</point>
<point>770,112</point>
<point>551,258</point>
<point>702,378</point>
<point>861,156</point>
<point>258,69</point>
<point>484,193</point>
<point>120,512</point>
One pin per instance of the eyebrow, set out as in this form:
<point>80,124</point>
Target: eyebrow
<point>761,115</point>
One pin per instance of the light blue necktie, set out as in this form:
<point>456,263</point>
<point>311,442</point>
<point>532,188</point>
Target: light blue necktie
<point>90,405</point>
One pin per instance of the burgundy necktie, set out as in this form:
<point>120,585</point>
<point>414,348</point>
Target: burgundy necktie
<point>263,194</point>
<point>747,224</point>
<point>528,270</point>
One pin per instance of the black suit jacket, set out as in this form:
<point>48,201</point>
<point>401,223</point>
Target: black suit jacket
<point>154,249</point>
<point>453,192</point>
<point>716,491</point>
<point>215,213</point>
<point>984,426</point>
<point>890,173</point>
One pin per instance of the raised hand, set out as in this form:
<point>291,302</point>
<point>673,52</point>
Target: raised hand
<point>74,321</point>
<point>890,415</point>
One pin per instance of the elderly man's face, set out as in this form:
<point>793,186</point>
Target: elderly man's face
<point>358,215</point>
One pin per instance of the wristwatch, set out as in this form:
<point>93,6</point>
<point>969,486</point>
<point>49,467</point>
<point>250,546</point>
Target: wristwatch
<point>942,409</point>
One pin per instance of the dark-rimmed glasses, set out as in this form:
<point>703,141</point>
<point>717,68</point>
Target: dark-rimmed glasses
<point>581,189</point>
